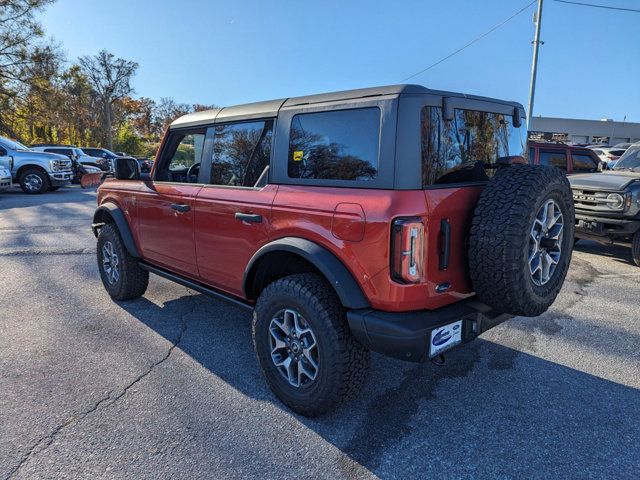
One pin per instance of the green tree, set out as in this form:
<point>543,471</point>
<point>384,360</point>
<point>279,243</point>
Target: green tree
<point>110,78</point>
<point>20,55</point>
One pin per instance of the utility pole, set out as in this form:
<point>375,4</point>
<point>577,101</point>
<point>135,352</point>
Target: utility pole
<point>534,65</point>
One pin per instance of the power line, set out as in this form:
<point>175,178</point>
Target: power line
<point>598,6</point>
<point>480,37</point>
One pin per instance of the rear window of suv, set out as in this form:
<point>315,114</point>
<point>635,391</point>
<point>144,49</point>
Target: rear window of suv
<point>335,145</point>
<point>459,151</point>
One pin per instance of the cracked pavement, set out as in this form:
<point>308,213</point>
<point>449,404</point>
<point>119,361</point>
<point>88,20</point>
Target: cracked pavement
<point>167,386</point>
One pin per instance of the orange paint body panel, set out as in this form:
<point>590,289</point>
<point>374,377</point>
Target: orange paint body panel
<point>209,244</point>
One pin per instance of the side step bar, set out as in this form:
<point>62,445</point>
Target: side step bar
<point>198,287</point>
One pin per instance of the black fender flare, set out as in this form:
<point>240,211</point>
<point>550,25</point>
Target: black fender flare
<point>121,222</point>
<point>327,263</point>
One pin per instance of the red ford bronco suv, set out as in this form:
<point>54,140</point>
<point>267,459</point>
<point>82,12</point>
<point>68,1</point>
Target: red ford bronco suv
<point>398,219</point>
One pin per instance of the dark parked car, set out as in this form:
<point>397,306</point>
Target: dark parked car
<point>568,158</point>
<point>107,155</point>
<point>608,204</point>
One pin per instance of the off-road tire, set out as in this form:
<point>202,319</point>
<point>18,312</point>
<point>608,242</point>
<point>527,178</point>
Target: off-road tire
<point>500,233</point>
<point>635,248</point>
<point>343,361</point>
<point>133,280</point>
<point>44,179</point>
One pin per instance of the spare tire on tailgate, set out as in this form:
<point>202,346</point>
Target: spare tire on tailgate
<point>521,239</point>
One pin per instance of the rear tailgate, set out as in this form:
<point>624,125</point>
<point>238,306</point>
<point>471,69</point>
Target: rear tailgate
<point>446,256</point>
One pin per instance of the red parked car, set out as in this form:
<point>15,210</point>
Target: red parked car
<point>395,219</point>
<point>568,158</point>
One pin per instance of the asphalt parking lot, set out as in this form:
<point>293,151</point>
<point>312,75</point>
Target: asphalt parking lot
<point>167,386</point>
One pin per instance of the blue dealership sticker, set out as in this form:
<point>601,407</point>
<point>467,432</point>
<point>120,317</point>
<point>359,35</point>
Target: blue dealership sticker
<point>446,337</point>
<point>442,337</point>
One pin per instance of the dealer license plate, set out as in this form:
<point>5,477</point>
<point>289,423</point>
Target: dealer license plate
<point>444,338</point>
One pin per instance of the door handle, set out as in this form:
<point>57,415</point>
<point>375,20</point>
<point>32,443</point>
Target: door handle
<point>248,217</point>
<point>180,208</point>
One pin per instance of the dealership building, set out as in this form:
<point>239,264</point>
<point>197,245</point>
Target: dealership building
<point>604,132</point>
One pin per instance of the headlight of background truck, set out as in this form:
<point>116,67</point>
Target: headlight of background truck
<point>58,165</point>
<point>615,201</point>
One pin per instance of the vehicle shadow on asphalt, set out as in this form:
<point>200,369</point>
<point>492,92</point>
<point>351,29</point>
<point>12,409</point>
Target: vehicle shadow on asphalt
<point>618,253</point>
<point>491,411</point>
<point>16,198</point>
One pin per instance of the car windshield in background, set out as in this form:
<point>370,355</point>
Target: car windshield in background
<point>630,160</point>
<point>458,151</point>
<point>15,145</point>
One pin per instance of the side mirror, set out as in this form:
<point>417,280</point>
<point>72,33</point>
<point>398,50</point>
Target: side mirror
<point>517,119</point>
<point>127,169</point>
<point>602,166</point>
<point>447,109</point>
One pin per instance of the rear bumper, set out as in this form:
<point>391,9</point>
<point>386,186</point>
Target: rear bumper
<point>600,228</point>
<point>407,335</point>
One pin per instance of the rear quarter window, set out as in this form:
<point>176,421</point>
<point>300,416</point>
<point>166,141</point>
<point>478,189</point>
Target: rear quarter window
<point>335,145</point>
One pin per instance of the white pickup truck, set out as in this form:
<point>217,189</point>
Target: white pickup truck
<point>36,172</point>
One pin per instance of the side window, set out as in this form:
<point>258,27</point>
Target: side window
<point>554,158</point>
<point>532,155</point>
<point>181,157</point>
<point>241,152</point>
<point>583,163</point>
<point>335,145</point>
<point>460,150</point>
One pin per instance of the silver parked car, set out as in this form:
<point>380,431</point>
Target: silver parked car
<point>36,172</point>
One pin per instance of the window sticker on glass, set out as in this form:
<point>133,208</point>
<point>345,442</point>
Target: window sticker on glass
<point>335,145</point>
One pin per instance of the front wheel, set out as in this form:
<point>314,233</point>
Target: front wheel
<point>34,181</point>
<point>635,248</point>
<point>305,349</point>
<point>121,275</point>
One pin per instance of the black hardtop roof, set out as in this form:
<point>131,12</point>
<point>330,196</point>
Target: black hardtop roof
<point>270,108</point>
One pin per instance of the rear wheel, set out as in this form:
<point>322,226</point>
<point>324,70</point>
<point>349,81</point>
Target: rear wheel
<point>635,248</point>
<point>305,349</point>
<point>34,181</point>
<point>121,275</point>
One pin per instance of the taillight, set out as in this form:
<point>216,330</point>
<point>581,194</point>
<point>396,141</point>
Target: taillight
<point>407,250</point>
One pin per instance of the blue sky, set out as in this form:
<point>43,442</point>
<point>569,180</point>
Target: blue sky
<point>230,52</point>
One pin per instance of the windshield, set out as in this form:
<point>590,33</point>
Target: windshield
<point>14,145</point>
<point>630,160</point>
